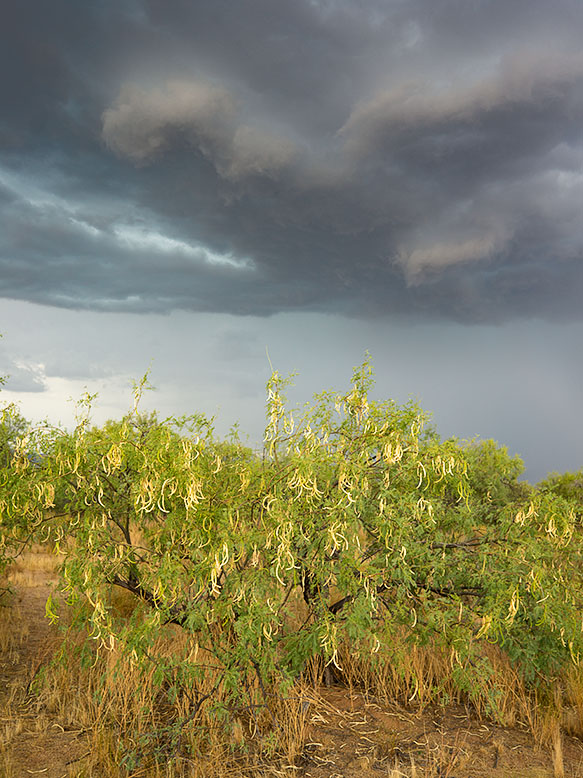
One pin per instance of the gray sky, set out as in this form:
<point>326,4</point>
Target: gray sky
<point>185,182</point>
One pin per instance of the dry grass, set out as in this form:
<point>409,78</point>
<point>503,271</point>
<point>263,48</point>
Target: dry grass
<point>418,676</point>
<point>31,569</point>
<point>120,703</point>
<point>132,727</point>
<point>13,629</point>
<point>12,633</point>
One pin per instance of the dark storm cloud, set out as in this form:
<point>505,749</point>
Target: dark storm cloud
<point>369,158</point>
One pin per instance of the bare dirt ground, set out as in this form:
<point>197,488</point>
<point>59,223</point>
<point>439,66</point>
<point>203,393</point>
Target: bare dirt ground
<point>356,738</point>
<point>350,736</point>
<point>37,745</point>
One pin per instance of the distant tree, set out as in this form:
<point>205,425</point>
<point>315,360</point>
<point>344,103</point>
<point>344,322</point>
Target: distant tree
<point>569,486</point>
<point>13,426</point>
<point>493,478</point>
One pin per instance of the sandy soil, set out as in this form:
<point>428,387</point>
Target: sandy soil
<point>356,738</point>
<point>38,746</point>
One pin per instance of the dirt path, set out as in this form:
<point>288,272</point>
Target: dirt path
<point>33,744</point>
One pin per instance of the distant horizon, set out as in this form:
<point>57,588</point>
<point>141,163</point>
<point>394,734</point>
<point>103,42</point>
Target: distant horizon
<point>228,369</point>
<point>256,444</point>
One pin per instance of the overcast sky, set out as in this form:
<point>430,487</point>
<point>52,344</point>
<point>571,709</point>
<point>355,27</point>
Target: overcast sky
<point>184,183</point>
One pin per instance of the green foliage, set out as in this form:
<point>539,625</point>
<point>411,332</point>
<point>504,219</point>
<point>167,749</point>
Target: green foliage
<point>493,478</point>
<point>13,427</point>
<point>13,430</point>
<point>351,527</point>
<point>569,486</point>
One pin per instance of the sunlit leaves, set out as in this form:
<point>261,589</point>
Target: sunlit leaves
<point>350,526</point>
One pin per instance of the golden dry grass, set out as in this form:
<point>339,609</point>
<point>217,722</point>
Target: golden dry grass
<point>115,708</point>
<point>119,703</point>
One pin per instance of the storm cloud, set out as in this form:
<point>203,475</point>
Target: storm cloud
<point>372,159</point>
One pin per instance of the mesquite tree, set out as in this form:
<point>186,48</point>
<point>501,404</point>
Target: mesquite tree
<point>351,525</point>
